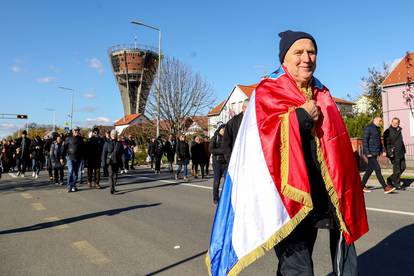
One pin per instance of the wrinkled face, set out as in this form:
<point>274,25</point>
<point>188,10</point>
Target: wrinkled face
<point>300,61</point>
<point>395,123</point>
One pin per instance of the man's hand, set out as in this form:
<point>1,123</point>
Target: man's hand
<point>312,109</point>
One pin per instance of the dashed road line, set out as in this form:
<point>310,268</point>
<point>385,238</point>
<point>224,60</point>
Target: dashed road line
<point>26,195</point>
<point>390,211</point>
<point>90,252</point>
<point>38,206</point>
<point>58,226</point>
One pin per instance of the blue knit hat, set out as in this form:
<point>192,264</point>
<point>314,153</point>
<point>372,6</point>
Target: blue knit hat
<point>287,38</point>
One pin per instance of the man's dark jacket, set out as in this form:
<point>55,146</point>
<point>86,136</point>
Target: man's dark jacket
<point>216,148</point>
<point>394,144</point>
<point>24,147</point>
<point>230,134</point>
<point>372,140</point>
<point>112,153</point>
<point>94,151</point>
<point>74,148</point>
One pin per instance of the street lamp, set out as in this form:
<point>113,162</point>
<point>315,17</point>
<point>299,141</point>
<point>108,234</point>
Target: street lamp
<point>54,117</point>
<point>159,70</point>
<point>71,113</point>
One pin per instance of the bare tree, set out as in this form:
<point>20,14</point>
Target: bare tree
<point>183,94</point>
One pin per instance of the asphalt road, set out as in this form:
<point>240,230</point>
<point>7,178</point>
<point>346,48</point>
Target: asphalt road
<point>157,226</point>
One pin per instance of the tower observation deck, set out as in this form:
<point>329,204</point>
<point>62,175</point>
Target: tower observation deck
<point>134,68</point>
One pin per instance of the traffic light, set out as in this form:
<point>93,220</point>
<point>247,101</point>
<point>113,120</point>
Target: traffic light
<point>21,116</point>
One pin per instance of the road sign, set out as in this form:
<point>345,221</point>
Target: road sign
<point>21,116</point>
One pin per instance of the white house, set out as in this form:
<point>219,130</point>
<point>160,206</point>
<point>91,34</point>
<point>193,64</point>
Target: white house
<point>129,120</point>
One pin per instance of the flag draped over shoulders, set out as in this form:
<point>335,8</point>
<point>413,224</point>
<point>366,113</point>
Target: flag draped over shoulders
<point>266,192</point>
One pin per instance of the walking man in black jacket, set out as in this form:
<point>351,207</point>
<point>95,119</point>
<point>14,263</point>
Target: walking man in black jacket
<point>73,151</point>
<point>112,157</point>
<point>219,163</point>
<point>372,149</point>
<point>395,148</point>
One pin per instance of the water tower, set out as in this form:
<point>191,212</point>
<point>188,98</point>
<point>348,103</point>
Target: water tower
<point>134,68</point>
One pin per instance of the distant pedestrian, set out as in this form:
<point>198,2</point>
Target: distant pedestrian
<point>219,162</point>
<point>169,148</point>
<point>57,160</point>
<point>105,167</point>
<point>158,153</point>
<point>36,154</point>
<point>22,153</point>
<point>112,156</point>
<point>183,156</point>
<point>151,152</point>
<point>372,148</point>
<point>73,151</point>
<point>46,153</point>
<point>132,145</point>
<point>207,155</point>
<point>94,152</point>
<point>197,156</point>
<point>395,148</point>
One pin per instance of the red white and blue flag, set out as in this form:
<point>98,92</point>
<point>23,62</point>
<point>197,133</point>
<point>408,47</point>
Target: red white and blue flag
<point>266,192</point>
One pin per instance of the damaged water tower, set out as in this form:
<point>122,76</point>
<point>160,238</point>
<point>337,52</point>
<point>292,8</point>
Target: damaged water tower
<point>134,68</point>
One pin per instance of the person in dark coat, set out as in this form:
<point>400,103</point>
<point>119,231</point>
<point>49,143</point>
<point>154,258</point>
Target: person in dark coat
<point>36,154</point>
<point>395,149</point>
<point>112,156</point>
<point>94,149</point>
<point>219,162</point>
<point>57,160</point>
<point>46,153</point>
<point>22,153</point>
<point>132,145</point>
<point>158,153</point>
<point>183,156</point>
<point>372,148</point>
<point>74,149</point>
<point>169,149</point>
<point>207,155</point>
<point>230,133</point>
<point>198,156</point>
<point>151,152</point>
<point>106,138</point>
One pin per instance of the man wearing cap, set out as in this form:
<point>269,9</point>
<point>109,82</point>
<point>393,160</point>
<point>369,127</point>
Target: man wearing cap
<point>310,159</point>
<point>74,152</point>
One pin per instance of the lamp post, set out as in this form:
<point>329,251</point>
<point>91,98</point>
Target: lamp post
<point>159,70</point>
<point>71,113</point>
<point>54,117</point>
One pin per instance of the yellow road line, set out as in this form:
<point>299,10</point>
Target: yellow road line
<point>26,195</point>
<point>38,206</point>
<point>90,252</point>
<point>59,226</point>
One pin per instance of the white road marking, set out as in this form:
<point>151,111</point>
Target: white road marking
<point>38,206</point>
<point>90,252</point>
<point>390,211</point>
<point>26,195</point>
<point>179,183</point>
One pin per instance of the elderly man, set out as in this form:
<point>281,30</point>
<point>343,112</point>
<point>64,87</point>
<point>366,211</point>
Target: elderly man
<point>112,157</point>
<point>73,150</point>
<point>303,174</point>
<point>395,148</point>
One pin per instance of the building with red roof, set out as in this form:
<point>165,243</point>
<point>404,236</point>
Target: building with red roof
<point>398,97</point>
